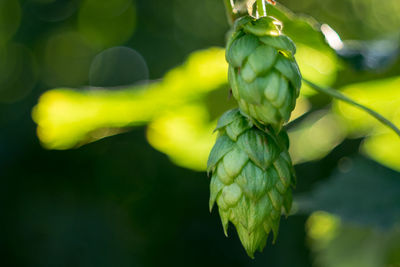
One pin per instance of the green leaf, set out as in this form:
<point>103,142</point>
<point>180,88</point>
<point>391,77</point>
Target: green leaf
<point>368,247</point>
<point>295,24</point>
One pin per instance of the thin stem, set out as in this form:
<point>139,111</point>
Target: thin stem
<point>336,94</point>
<point>229,11</point>
<point>261,10</point>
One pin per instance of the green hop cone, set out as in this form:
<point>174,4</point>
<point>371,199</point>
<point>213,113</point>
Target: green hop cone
<point>263,73</point>
<point>252,175</point>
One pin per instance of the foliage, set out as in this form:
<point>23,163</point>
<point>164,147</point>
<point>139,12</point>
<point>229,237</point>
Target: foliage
<point>191,84</point>
<point>354,181</point>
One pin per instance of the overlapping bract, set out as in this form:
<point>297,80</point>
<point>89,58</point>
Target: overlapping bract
<point>251,180</point>
<point>263,73</point>
<point>252,173</point>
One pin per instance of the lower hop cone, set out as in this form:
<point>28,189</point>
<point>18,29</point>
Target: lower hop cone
<point>252,176</point>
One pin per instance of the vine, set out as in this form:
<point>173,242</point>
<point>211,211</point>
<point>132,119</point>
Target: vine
<point>337,95</point>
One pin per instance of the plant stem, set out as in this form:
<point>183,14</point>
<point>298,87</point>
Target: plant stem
<point>261,8</point>
<point>229,11</point>
<point>336,94</point>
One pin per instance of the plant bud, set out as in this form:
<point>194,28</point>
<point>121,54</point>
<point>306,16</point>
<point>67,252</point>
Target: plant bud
<point>252,176</point>
<point>263,73</point>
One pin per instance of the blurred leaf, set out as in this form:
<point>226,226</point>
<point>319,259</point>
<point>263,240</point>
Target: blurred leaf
<point>339,96</point>
<point>315,136</point>
<point>345,245</point>
<point>382,96</point>
<point>107,23</point>
<point>65,59</point>
<point>67,118</point>
<point>323,227</point>
<point>383,148</point>
<point>185,135</point>
<point>179,108</point>
<point>361,192</point>
<point>371,55</point>
<point>317,60</point>
<point>294,24</point>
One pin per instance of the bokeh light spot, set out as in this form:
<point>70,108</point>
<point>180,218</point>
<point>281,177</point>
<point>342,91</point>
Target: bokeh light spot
<point>177,104</point>
<point>118,66</point>
<point>66,60</point>
<point>106,23</point>
<point>322,226</point>
<point>10,16</point>
<point>187,19</point>
<point>18,73</point>
<point>317,66</point>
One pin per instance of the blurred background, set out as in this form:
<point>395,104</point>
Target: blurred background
<point>106,117</point>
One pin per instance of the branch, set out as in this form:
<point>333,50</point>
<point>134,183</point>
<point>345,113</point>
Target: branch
<point>336,94</point>
<point>236,9</point>
<point>229,11</point>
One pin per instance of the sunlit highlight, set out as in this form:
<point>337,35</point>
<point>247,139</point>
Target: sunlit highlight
<point>184,135</point>
<point>332,37</point>
<point>384,97</point>
<point>68,118</point>
<point>322,226</point>
<point>316,66</point>
<point>315,137</point>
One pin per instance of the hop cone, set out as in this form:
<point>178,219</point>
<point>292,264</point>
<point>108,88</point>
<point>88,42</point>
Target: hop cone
<point>251,178</point>
<point>263,73</point>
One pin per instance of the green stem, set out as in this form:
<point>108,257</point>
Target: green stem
<point>260,8</point>
<point>229,11</point>
<point>336,94</point>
